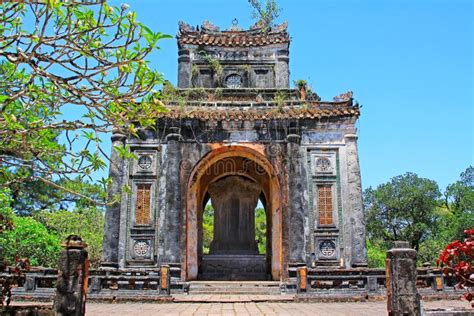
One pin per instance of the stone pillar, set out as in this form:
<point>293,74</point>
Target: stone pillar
<point>172,208</point>
<point>112,214</point>
<point>184,69</point>
<point>282,71</point>
<point>73,273</point>
<point>165,279</point>
<point>400,268</point>
<point>302,278</point>
<point>296,200</point>
<point>234,200</point>
<point>356,212</point>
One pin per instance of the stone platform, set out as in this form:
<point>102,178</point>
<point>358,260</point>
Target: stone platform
<point>234,288</point>
<point>233,268</point>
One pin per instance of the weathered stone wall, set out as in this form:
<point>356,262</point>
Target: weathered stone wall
<point>259,67</point>
<point>292,151</point>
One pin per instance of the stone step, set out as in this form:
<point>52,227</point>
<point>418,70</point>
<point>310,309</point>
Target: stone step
<point>234,287</point>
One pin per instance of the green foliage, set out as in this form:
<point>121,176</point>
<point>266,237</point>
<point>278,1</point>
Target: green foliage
<point>265,14</point>
<point>6,212</point>
<point>30,239</point>
<point>375,255</point>
<point>261,230</point>
<point>30,197</point>
<point>300,83</point>
<point>207,228</point>
<point>85,222</point>
<point>58,56</point>
<point>460,195</point>
<point>170,94</point>
<point>279,99</point>
<point>38,237</point>
<point>402,209</point>
<point>215,67</point>
<point>408,207</point>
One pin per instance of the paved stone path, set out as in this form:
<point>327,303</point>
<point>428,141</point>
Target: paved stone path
<point>252,308</point>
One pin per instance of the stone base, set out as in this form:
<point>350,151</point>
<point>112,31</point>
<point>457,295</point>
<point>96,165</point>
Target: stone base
<point>233,268</point>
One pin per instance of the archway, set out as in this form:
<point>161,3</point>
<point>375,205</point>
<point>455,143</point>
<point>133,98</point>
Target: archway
<point>231,162</point>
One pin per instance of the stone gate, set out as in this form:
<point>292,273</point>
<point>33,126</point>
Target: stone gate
<point>236,136</point>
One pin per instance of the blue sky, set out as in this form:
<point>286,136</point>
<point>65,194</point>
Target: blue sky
<point>409,63</point>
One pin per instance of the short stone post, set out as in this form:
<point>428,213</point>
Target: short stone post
<point>400,268</point>
<point>73,273</point>
<point>165,279</point>
<point>302,278</point>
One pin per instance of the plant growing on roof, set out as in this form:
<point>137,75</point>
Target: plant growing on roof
<point>300,83</point>
<point>198,94</point>
<point>169,94</point>
<point>216,67</point>
<point>218,92</point>
<point>266,13</point>
<point>280,98</point>
<point>302,87</point>
<point>194,74</point>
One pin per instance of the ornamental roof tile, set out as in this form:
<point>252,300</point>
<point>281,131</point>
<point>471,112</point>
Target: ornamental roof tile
<point>211,35</point>
<point>271,113</point>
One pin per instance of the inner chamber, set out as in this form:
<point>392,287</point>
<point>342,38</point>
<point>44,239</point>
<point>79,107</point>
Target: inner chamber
<point>234,189</point>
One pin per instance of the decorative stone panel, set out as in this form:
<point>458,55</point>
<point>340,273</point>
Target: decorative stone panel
<point>326,248</point>
<point>145,164</point>
<point>141,248</point>
<point>323,164</point>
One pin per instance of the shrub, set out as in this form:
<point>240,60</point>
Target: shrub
<point>30,239</point>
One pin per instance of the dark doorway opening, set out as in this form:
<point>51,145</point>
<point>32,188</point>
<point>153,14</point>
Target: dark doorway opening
<point>234,237</point>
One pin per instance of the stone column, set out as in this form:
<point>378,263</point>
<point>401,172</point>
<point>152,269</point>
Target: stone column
<point>359,251</point>
<point>400,267</point>
<point>112,214</point>
<point>234,200</point>
<point>296,200</point>
<point>73,273</point>
<point>282,71</point>
<point>172,207</point>
<point>184,69</point>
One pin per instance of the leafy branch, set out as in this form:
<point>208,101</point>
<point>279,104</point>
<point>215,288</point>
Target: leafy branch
<point>60,60</point>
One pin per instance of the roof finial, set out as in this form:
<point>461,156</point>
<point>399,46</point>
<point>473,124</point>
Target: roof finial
<point>235,26</point>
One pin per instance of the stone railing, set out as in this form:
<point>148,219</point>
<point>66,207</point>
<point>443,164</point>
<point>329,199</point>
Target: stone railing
<point>113,284</point>
<point>364,283</point>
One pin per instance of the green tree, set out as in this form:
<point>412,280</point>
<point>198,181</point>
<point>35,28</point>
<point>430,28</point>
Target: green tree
<point>459,196</point>
<point>62,57</point>
<point>402,209</point>
<point>455,216</point>
<point>85,222</point>
<point>207,228</point>
<point>265,13</point>
<point>33,196</point>
<point>376,254</point>
<point>30,239</point>
<point>261,230</point>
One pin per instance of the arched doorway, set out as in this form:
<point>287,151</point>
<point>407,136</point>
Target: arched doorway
<point>245,175</point>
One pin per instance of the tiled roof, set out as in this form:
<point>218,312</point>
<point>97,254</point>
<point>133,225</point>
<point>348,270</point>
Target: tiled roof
<point>238,114</point>
<point>232,38</point>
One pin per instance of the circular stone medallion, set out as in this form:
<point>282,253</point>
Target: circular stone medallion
<point>327,248</point>
<point>144,162</point>
<point>323,164</point>
<point>141,248</point>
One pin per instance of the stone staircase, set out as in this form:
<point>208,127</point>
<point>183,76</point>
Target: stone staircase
<point>234,288</point>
